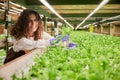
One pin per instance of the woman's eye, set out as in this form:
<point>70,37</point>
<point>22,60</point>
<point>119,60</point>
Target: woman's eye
<point>29,21</point>
<point>35,20</point>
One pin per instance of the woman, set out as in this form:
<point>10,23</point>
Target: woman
<point>27,34</point>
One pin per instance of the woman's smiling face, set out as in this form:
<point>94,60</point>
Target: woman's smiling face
<point>33,23</point>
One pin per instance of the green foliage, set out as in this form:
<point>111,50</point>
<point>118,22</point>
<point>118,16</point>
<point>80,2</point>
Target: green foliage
<point>66,30</point>
<point>1,78</point>
<point>2,55</point>
<point>96,57</point>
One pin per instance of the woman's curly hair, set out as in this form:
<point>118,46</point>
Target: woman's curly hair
<point>21,28</point>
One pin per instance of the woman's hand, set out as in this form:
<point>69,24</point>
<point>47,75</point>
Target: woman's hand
<point>66,38</point>
<point>72,45</point>
<point>53,41</point>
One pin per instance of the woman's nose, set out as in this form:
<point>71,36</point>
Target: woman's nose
<point>33,23</point>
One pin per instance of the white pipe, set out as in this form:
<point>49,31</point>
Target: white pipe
<point>17,5</point>
<point>2,4</point>
<point>8,11</point>
<point>17,9</point>
<point>14,11</point>
<point>11,10</point>
<point>2,10</point>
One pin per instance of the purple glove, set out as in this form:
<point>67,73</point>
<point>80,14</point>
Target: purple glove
<point>72,45</point>
<point>66,38</point>
<point>53,41</point>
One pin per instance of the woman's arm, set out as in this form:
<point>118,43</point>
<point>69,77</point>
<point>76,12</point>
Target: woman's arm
<point>47,36</point>
<point>28,44</point>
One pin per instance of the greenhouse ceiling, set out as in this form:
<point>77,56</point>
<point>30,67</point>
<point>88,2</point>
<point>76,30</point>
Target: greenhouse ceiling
<point>75,11</point>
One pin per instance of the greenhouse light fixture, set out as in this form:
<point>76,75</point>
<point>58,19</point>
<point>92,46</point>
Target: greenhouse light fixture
<point>96,9</point>
<point>53,10</point>
<point>111,18</point>
<point>118,16</point>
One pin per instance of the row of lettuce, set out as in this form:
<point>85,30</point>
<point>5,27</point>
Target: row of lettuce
<point>96,57</point>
